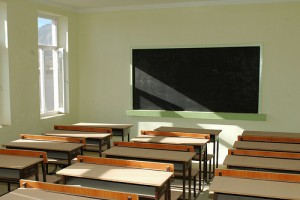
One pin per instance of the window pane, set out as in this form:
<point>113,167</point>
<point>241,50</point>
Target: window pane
<point>49,80</point>
<point>47,31</point>
<point>51,65</point>
<point>61,80</point>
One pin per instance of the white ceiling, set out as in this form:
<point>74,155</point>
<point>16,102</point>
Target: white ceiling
<point>94,5</point>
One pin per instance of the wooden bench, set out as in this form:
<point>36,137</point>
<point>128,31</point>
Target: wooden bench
<point>155,146</point>
<point>176,134</point>
<point>53,161</point>
<point>128,163</point>
<point>295,178</point>
<point>266,138</point>
<point>53,138</point>
<point>267,154</point>
<point>83,128</point>
<point>112,170</point>
<point>59,191</point>
<point>243,184</point>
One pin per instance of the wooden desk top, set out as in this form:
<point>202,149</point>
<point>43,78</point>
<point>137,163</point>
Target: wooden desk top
<point>18,162</point>
<point>30,194</point>
<point>105,125</point>
<point>189,130</point>
<point>80,134</point>
<point>170,140</point>
<point>258,188</point>
<point>154,154</point>
<point>262,163</point>
<point>117,174</point>
<point>43,145</point>
<point>268,146</point>
<point>272,134</point>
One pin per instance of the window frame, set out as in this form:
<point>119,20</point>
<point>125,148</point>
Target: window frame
<point>5,105</point>
<point>55,47</point>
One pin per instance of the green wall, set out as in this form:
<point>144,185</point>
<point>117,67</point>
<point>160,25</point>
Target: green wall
<point>106,40</point>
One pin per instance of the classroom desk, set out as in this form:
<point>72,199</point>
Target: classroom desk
<point>13,168</point>
<point>228,188</point>
<point>262,164</point>
<point>267,146</point>
<point>214,138</point>
<point>94,141</point>
<point>199,145</point>
<point>55,150</point>
<point>181,160</point>
<point>147,183</point>
<point>122,130</point>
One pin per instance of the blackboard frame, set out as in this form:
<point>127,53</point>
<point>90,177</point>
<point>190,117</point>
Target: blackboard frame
<point>260,46</point>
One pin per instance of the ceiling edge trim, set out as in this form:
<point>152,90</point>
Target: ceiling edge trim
<point>161,6</point>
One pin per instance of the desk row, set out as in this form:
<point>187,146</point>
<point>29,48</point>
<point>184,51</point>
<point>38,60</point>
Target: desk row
<point>178,155</point>
<point>263,165</point>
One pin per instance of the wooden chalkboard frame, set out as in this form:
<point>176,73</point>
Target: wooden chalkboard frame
<point>203,114</point>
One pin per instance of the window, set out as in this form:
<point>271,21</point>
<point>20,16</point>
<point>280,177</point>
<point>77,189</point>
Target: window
<point>5,115</point>
<point>52,66</point>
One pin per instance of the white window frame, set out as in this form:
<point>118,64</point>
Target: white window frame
<point>5,112</point>
<point>58,61</point>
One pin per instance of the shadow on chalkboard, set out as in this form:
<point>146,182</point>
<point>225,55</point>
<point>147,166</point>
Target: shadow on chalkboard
<point>160,103</point>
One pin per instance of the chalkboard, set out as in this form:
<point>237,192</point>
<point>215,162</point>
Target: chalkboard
<point>216,79</point>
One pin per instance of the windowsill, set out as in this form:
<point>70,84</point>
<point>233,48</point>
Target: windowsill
<point>4,125</point>
<point>196,115</point>
<point>51,115</point>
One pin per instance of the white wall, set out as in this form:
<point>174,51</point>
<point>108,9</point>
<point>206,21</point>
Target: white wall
<point>24,72</point>
<point>106,40</point>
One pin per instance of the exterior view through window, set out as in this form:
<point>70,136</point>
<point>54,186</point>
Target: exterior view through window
<point>51,68</point>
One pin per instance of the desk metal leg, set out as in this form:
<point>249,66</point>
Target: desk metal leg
<point>44,172</point>
<point>183,181</point>
<point>200,169</point>
<point>217,161</point>
<point>205,177</point>
<point>100,147</point>
<point>189,180</point>
<point>214,153</point>
<point>156,194</point>
<point>37,172</point>
<point>168,192</point>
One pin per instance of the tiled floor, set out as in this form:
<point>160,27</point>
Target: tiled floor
<point>205,194</point>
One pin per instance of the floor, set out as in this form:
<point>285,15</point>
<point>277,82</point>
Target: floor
<point>205,194</point>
